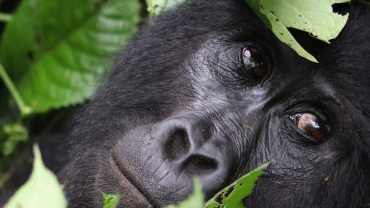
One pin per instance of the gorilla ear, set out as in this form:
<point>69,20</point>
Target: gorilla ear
<point>280,15</point>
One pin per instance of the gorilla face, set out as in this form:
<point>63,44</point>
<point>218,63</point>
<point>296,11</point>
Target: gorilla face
<point>207,90</point>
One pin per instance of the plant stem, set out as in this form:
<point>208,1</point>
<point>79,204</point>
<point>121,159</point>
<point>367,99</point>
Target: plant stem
<point>5,17</point>
<point>24,109</point>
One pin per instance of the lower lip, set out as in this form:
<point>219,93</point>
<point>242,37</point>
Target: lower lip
<point>130,195</point>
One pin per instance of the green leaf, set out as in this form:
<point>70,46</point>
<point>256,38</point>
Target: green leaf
<point>229,197</point>
<point>55,51</point>
<point>195,200</point>
<point>232,195</point>
<point>155,7</point>
<point>313,16</point>
<point>10,136</point>
<point>42,190</point>
<point>110,200</point>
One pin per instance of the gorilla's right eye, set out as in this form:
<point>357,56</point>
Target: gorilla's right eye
<point>255,63</point>
<point>311,125</point>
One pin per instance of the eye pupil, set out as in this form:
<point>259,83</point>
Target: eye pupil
<point>311,125</point>
<point>255,63</point>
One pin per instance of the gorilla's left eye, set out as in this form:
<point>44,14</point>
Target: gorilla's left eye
<point>255,63</point>
<point>311,125</point>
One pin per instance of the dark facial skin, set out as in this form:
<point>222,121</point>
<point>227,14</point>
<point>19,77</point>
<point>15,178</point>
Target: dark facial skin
<point>207,90</point>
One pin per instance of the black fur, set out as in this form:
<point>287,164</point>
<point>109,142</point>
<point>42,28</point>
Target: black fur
<point>180,77</point>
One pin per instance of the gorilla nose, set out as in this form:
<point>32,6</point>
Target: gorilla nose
<point>183,146</point>
<point>194,149</point>
<point>161,160</point>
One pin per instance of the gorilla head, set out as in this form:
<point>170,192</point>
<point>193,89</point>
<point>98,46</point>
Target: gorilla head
<point>207,90</point>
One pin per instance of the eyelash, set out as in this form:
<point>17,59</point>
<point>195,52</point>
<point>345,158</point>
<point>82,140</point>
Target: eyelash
<point>232,71</point>
<point>244,77</point>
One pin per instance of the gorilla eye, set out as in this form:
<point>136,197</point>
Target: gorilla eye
<point>255,63</point>
<point>311,126</point>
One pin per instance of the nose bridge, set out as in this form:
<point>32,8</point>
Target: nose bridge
<point>200,130</point>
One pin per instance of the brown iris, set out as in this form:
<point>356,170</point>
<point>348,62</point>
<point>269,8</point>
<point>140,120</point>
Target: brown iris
<point>311,126</point>
<point>255,63</point>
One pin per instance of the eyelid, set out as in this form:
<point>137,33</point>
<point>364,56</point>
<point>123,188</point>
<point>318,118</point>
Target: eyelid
<point>258,46</point>
<point>320,116</point>
<point>307,107</point>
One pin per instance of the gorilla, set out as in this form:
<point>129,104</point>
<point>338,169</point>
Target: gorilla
<point>207,90</point>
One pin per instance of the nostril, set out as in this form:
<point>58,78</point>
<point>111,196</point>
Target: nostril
<point>177,144</point>
<point>199,164</point>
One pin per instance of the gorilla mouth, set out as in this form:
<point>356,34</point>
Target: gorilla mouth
<point>132,194</point>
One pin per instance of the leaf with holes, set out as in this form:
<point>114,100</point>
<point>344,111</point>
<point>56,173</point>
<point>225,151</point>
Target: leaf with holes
<point>313,16</point>
<point>155,7</point>
<point>232,195</point>
<point>56,50</point>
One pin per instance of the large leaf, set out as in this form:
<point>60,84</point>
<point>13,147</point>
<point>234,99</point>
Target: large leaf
<point>55,51</point>
<point>232,195</point>
<point>42,190</point>
<point>313,16</point>
<point>155,7</point>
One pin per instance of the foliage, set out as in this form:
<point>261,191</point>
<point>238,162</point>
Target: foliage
<point>58,59</point>
<point>64,48</point>
<point>312,16</point>
<point>232,195</point>
<point>11,135</point>
<point>41,190</point>
<point>229,197</point>
<point>110,200</point>
<point>53,54</point>
<point>155,7</point>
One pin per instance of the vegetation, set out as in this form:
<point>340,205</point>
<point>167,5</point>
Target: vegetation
<point>53,54</point>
